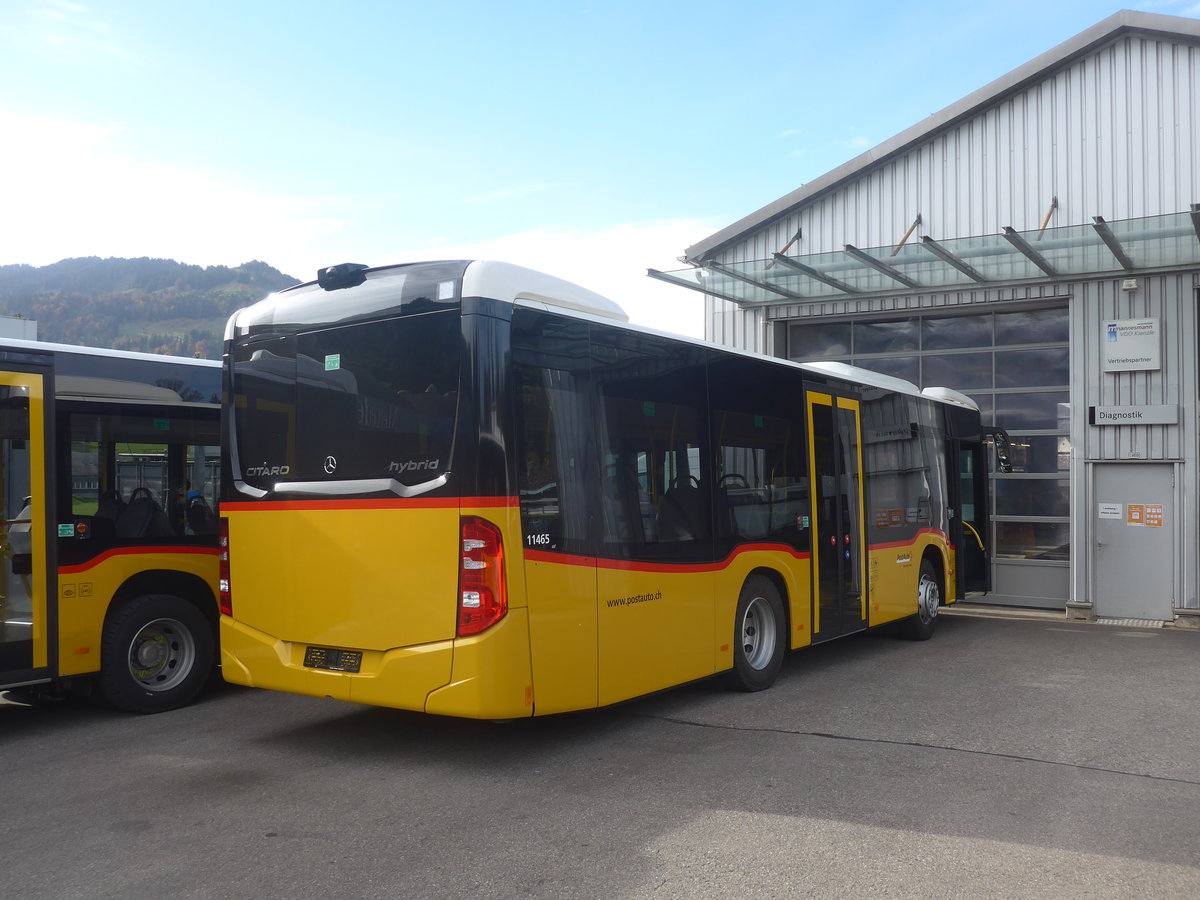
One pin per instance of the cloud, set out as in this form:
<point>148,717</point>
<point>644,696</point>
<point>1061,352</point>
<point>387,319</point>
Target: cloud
<point>789,132</point>
<point>66,31</point>
<point>71,190</point>
<point>611,261</point>
<point>856,143</point>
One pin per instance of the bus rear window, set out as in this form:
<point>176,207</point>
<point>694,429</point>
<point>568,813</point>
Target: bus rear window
<point>366,401</point>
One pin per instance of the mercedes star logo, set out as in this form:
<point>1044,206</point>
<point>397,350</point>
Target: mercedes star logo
<point>330,464</point>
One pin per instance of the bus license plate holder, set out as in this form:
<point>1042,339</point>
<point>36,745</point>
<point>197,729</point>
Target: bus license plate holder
<point>333,660</point>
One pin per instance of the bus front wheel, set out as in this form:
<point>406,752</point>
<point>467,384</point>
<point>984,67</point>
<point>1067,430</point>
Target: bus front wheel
<point>759,636</point>
<point>157,653</point>
<point>929,597</point>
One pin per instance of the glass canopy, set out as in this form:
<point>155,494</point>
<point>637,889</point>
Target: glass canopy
<point>1071,251</point>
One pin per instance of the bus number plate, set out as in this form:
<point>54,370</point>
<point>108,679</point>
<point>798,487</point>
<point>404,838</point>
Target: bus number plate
<point>335,660</point>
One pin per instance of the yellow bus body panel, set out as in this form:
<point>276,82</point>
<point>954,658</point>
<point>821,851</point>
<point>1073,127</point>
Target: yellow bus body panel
<point>660,628</point>
<point>400,678</point>
<point>359,578</point>
<point>491,677</point>
<point>655,630</point>
<point>792,568</point>
<point>85,592</point>
<point>393,596</point>
<point>561,596</point>
<point>895,571</point>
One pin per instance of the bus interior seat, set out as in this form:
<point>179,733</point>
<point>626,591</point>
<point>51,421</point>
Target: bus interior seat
<point>143,517</point>
<point>110,506</point>
<point>623,499</point>
<point>200,517</point>
<point>108,510</point>
<point>681,515</point>
<point>725,510</point>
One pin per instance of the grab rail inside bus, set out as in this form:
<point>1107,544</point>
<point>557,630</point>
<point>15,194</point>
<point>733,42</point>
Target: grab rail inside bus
<point>361,486</point>
<point>974,534</point>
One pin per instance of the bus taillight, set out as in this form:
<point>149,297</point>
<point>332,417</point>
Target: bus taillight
<point>482,595</point>
<point>226,600</point>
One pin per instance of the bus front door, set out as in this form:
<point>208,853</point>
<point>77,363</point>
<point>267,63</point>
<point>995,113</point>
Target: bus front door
<point>969,530</point>
<point>24,607</point>
<point>838,555</point>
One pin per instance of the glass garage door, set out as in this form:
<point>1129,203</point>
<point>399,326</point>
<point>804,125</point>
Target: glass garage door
<point>1016,366</point>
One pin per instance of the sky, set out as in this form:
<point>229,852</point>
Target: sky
<point>588,140</point>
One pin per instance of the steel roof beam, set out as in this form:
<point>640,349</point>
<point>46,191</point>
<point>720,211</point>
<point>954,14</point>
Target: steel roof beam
<point>1111,242</point>
<point>813,273</point>
<point>950,259</point>
<point>725,270</point>
<point>879,266</point>
<point>663,276</point>
<point>1022,245</point>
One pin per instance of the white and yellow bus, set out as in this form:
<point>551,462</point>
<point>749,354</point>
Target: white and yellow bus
<point>474,490</point>
<point>108,549</point>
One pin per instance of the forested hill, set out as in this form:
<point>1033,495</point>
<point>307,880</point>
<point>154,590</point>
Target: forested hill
<point>152,305</point>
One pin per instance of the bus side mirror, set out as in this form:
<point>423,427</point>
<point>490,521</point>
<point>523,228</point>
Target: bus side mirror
<point>1003,450</point>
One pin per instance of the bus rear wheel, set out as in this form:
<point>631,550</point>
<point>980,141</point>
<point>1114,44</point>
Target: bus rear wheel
<point>759,636</point>
<point>157,653</point>
<point>929,597</point>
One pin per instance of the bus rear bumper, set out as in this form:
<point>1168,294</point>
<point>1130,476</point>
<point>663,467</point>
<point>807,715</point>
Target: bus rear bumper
<point>484,677</point>
<point>492,678</point>
<point>400,678</point>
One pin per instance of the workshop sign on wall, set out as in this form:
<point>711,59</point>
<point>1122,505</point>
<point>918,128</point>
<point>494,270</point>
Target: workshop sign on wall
<point>1131,345</point>
<point>1133,415</point>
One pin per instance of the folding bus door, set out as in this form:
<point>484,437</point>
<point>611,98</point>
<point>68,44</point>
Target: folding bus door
<point>838,536</point>
<point>969,529</point>
<point>25,611</point>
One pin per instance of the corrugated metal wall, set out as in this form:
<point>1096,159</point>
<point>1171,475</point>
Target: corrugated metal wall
<point>1173,299</point>
<point>1115,133</point>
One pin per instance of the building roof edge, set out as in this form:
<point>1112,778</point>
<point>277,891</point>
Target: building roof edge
<point>1118,25</point>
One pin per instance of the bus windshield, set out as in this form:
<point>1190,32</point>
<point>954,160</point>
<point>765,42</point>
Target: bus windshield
<point>356,402</point>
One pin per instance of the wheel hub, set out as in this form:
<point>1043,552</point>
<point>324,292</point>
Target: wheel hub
<point>161,654</point>
<point>929,599</point>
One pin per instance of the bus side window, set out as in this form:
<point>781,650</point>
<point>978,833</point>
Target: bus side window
<point>556,471</point>
<point>762,467</point>
<point>652,428</point>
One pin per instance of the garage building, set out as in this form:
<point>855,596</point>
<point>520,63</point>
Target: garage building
<point>1035,245</point>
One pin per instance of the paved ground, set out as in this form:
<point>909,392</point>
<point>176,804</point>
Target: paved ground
<point>1004,758</point>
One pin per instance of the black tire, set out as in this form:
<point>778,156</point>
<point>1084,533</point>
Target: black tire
<point>760,635</point>
<point>929,597</point>
<point>157,653</point>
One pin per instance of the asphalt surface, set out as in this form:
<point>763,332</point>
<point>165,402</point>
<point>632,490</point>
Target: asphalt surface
<point>1005,758</point>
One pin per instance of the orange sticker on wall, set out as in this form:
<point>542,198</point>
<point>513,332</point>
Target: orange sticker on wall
<point>1154,515</point>
<point>1135,514</point>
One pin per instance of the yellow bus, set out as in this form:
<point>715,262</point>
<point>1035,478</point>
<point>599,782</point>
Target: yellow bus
<point>470,489</point>
<point>108,486</point>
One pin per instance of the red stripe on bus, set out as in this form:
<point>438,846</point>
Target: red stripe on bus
<point>134,551</point>
<point>893,545</point>
<point>626,565</point>
<point>375,503</point>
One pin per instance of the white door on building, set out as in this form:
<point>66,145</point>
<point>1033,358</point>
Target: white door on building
<point>1134,524</point>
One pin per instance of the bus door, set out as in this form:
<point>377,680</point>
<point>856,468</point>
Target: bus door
<point>838,535</point>
<point>969,531</point>
<point>25,613</point>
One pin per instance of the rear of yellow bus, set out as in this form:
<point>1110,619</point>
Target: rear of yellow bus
<point>367,502</point>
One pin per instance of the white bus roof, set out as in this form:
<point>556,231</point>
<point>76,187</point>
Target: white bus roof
<point>521,286</point>
<point>509,283</point>
<point>49,347</point>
